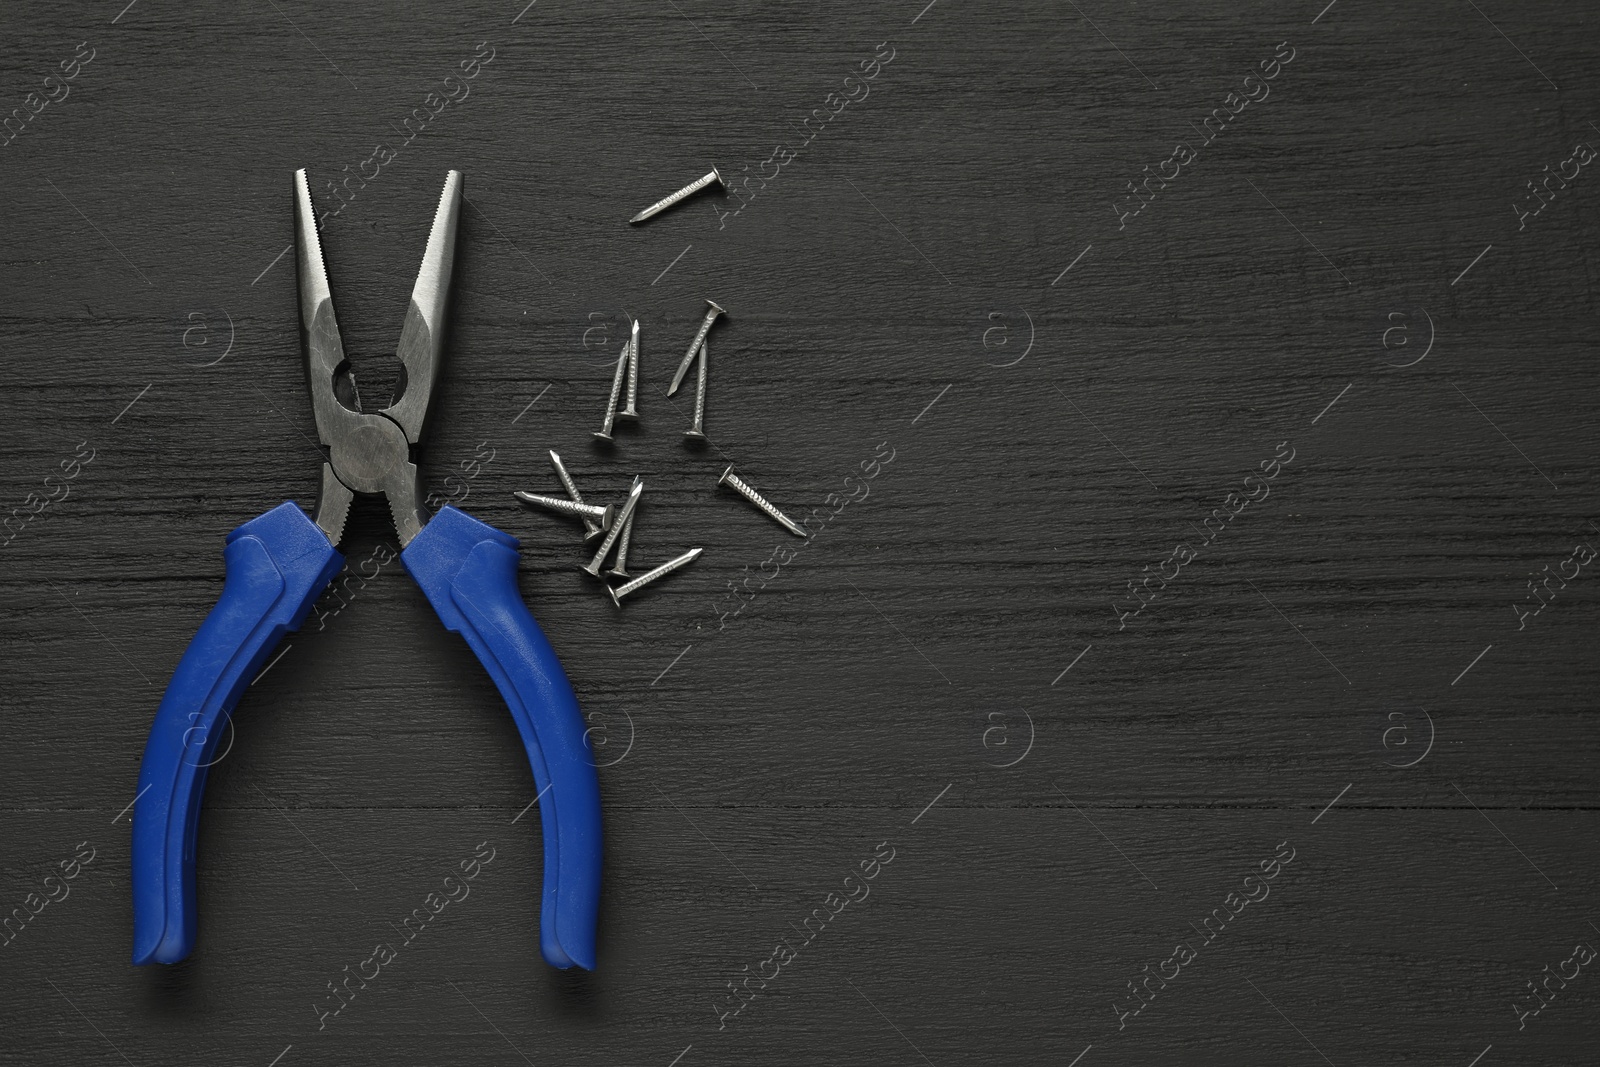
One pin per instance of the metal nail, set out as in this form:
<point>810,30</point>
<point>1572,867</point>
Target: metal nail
<point>738,485</point>
<point>618,592</point>
<point>590,528</point>
<point>688,190</point>
<point>697,431</point>
<point>586,512</point>
<point>694,346</point>
<point>616,388</point>
<point>619,567</point>
<point>621,520</point>
<point>632,410</point>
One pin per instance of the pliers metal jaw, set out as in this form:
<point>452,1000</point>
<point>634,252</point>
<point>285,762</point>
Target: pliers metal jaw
<point>370,453</point>
<point>279,563</point>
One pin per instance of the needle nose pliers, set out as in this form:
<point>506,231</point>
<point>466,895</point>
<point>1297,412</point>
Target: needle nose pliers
<point>278,563</point>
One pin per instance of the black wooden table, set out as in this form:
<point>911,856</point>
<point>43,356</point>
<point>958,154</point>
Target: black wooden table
<point>1192,660</point>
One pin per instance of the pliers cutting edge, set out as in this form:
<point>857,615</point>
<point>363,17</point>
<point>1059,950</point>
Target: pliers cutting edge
<point>279,562</point>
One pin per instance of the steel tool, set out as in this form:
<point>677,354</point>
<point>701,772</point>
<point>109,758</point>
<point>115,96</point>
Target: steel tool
<point>278,563</point>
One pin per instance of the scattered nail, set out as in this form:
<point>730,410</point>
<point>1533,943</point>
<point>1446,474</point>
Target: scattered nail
<point>688,190</point>
<point>619,567</point>
<point>616,388</point>
<point>590,528</point>
<point>694,346</point>
<point>618,592</point>
<point>586,512</point>
<point>697,431</point>
<point>632,410</point>
<point>738,485</point>
<point>621,520</point>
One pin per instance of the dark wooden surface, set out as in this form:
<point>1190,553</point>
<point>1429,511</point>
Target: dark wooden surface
<point>1053,431</point>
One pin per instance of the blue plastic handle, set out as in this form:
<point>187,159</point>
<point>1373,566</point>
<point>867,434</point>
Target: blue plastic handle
<point>277,564</point>
<point>468,571</point>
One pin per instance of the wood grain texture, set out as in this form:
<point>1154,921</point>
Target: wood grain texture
<point>942,274</point>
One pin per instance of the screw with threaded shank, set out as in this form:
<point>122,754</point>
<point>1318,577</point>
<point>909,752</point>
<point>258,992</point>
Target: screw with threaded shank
<point>632,410</point>
<point>619,566</point>
<point>697,432</point>
<point>739,486</point>
<point>618,592</point>
<point>604,432</point>
<point>586,512</point>
<point>622,519</point>
<point>591,529</point>
<point>688,190</point>
<point>694,346</point>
